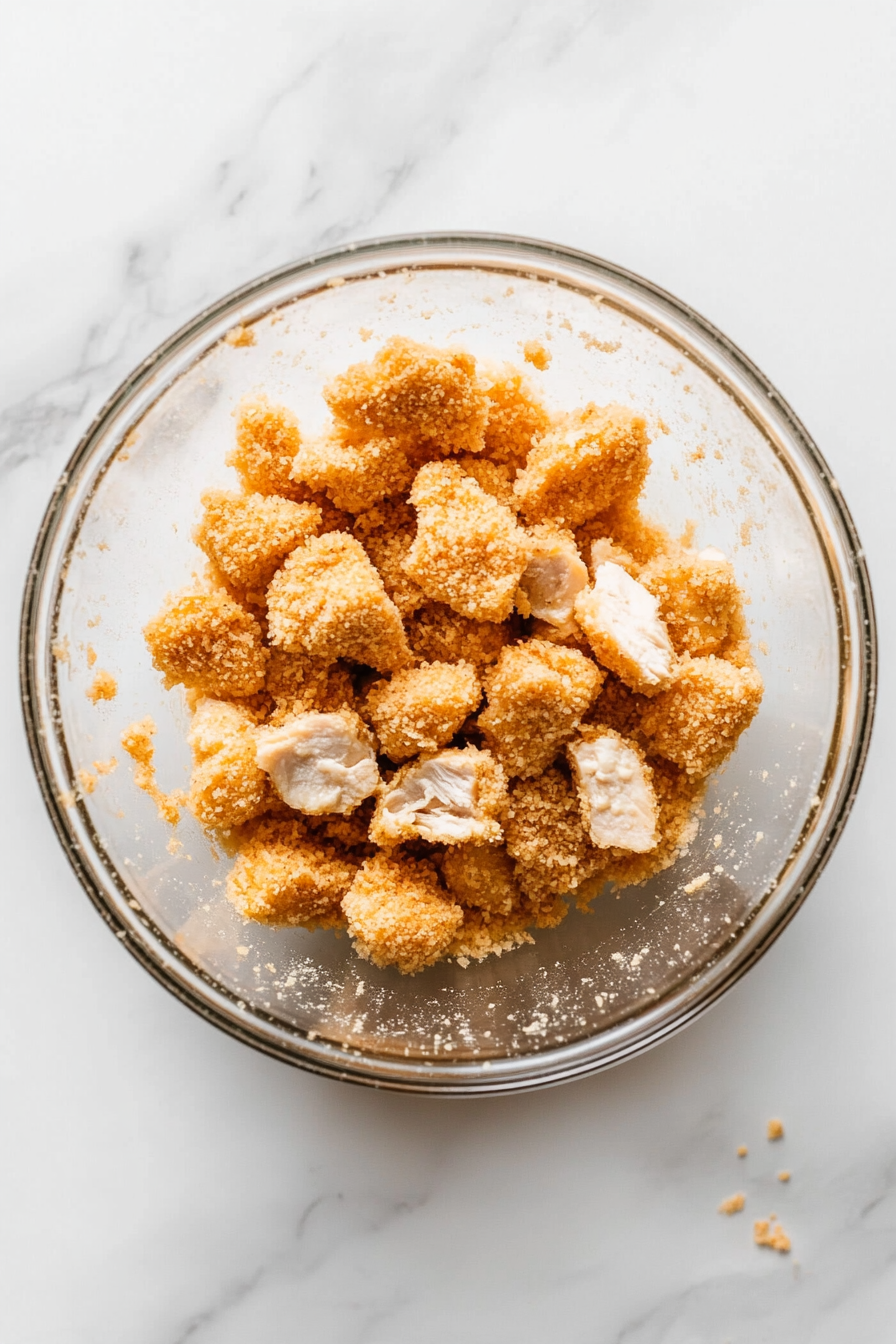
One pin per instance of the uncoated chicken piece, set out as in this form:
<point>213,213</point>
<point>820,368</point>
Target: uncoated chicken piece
<point>227,788</point>
<point>621,620</point>
<point>554,576</point>
<point>398,915</point>
<point>328,600</point>
<point>282,877</point>
<point>537,693</point>
<point>447,797</point>
<point>697,722</point>
<point>469,551</point>
<point>249,536</point>
<point>619,805</point>
<point>209,643</point>
<point>421,708</point>
<point>320,762</point>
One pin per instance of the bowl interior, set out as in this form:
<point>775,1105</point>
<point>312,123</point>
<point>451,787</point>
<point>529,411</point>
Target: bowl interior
<point>723,462</point>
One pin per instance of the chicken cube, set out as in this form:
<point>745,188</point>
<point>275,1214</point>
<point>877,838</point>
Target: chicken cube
<point>446,797</point>
<point>248,536</point>
<point>516,416</point>
<point>545,835</point>
<point>422,707</point>
<point>398,915</point>
<point>481,876</point>
<point>621,621</point>
<point>282,877</point>
<point>699,600</point>
<point>320,762</point>
<point>327,600</point>
<point>298,683</point>
<point>537,693</point>
<point>386,532</point>
<point>267,440</point>
<point>355,472</point>
<point>619,805</point>
<point>438,634</point>
<point>414,390</point>
<point>227,788</point>
<point>554,576</point>
<point>698,720</point>
<point>469,551</point>
<point>492,477</point>
<point>584,463</point>
<point>209,643</point>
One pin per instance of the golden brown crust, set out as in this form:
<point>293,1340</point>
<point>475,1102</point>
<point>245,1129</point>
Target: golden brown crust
<point>546,836</point>
<point>227,788</point>
<point>697,722</point>
<point>209,643</point>
<point>267,440</point>
<point>248,536</point>
<point>282,877</point>
<point>398,915</point>
<point>516,417</point>
<point>699,600</point>
<point>438,634</point>
<point>354,472</point>
<point>422,707</point>
<point>386,533</point>
<point>482,876</point>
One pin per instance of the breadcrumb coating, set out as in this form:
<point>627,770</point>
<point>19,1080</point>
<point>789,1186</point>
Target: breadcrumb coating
<point>516,416</point>
<point>354,472</point>
<point>584,463</point>
<point>469,551</point>
<point>282,877</point>
<point>103,687</point>
<point>267,440</point>
<point>296,683</point>
<point>328,601</point>
<point>697,722</point>
<point>386,532</point>
<point>422,707</point>
<point>482,876</point>
<point>227,788</point>
<point>411,389</point>
<point>492,477</point>
<point>398,915</point>
<point>618,706</point>
<point>248,536</point>
<point>537,693</point>
<point>438,634</point>
<point>209,643</point>
<point>699,599</point>
<point>137,742</point>
<point>447,797</point>
<point>545,834</point>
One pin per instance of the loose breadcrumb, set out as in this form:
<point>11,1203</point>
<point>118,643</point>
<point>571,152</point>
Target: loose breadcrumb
<point>536,353</point>
<point>697,722</point>
<point>328,601</point>
<point>103,687</point>
<point>209,643</point>
<point>469,551</point>
<point>267,440</point>
<point>283,877</point>
<point>355,472</point>
<point>137,742</point>
<point>240,336</point>
<point>410,389</point>
<point>249,536</point>
<point>398,915</point>
<point>422,708</point>
<point>583,464</point>
<point>742,1150</point>
<point>91,655</point>
<point>537,694</point>
<point>768,1233</point>
<point>516,417</point>
<point>733,1204</point>
<point>784,1176</point>
<point>774,1130</point>
<point>105,767</point>
<point>87,781</point>
<point>227,788</point>
<point>438,634</point>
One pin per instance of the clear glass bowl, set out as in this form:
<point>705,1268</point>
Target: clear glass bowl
<point>729,456</point>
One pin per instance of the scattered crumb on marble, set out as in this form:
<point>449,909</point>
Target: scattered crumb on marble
<point>774,1130</point>
<point>733,1204</point>
<point>766,1232</point>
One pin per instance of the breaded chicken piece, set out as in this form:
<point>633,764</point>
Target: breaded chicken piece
<point>355,472</point>
<point>481,876</point>
<point>320,762</point>
<point>422,707</point>
<point>616,794</point>
<point>267,440</point>
<point>624,527</point>
<point>696,723</point>
<point>386,533</point>
<point>583,464</point>
<point>328,601</point>
<point>678,796</point>
<point>398,915</point>
<point>446,797</point>
<point>699,600</point>
<point>297,683</point>
<point>227,788</point>
<point>492,477</point>
<point>438,634</point>
<point>209,643</point>
<point>468,551</point>
<point>282,877</point>
<point>408,389</point>
<point>618,707</point>
<point>537,693</point>
<point>516,416</point>
<point>554,576</point>
<point>545,835</point>
<point>248,536</point>
<point>621,621</point>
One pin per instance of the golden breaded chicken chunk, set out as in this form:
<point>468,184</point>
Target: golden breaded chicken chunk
<point>481,876</point>
<point>422,707</point>
<point>492,477</point>
<point>696,723</point>
<point>545,834</point>
<point>328,601</point>
<point>516,416</point>
<point>355,472</point>
<point>584,463</point>
<point>698,596</point>
<point>209,643</point>
<point>446,797</point>
<point>438,634</point>
<point>386,532</point>
<point>537,693</point>
<point>398,915</point>
<point>248,536</point>
<point>554,576</point>
<point>282,877</point>
<point>267,440</point>
<point>227,788</point>
<point>298,683</point>
<point>433,396</point>
<point>468,551</point>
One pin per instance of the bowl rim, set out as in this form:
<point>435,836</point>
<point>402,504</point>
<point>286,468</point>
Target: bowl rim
<point>633,1035</point>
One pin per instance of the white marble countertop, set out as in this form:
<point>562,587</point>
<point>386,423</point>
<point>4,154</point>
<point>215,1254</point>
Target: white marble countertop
<point>164,1184</point>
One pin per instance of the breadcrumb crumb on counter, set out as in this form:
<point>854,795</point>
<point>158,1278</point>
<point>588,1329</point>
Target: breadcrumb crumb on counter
<point>766,1232</point>
<point>137,742</point>
<point>469,551</point>
<point>249,536</point>
<point>733,1204</point>
<point>446,797</point>
<point>774,1130</point>
<point>742,1150</point>
<point>433,395</point>
<point>398,915</point>
<point>327,600</point>
<point>422,708</point>
<point>282,877</point>
<point>267,440</point>
<point>208,643</point>
<point>537,694</point>
<point>103,687</point>
<point>697,722</point>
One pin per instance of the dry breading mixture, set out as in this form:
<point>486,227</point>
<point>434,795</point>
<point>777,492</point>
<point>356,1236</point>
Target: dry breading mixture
<point>443,673</point>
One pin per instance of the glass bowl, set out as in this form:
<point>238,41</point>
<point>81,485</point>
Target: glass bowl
<point>729,457</point>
